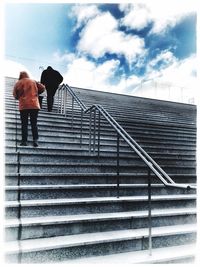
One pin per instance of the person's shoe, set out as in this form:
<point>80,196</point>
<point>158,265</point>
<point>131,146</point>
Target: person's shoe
<point>23,143</point>
<point>35,143</point>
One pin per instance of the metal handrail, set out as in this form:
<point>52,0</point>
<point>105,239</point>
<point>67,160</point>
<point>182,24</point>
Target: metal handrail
<point>151,164</point>
<point>155,168</point>
<point>19,231</point>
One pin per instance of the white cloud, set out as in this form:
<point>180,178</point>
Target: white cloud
<point>165,58</point>
<point>163,14</point>
<point>63,58</point>
<point>101,35</point>
<point>105,72</point>
<point>175,82</point>
<point>80,73</point>
<point>132,81</point>
<point>124,86</point>
<point>137,16</point>
<point>83,13</point>
<point>173,71</point>
<point>127,84</point>
<point>84,73</point>
<point>181,73</point>
<point>12,69</point>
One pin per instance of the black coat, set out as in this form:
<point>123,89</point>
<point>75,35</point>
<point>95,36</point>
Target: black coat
<point>51,79</point>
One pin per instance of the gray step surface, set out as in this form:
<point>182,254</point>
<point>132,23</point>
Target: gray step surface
<point>49,226</point>
<point>178,152</point>
<point>98,216</point>
<point>173,109</point>
<point>106,135</point>
<point>175,254</point>
<point>90,167</point>
<point>123,117</point>
<point>42,251</point>
<point>106,158</point>
<point>28,192</point>
<point>49,167</point>
<point>46,207</point>
<point>88,178</point>
<point>135,113</point>
<point>103,141</point>
<point>44,135</point>
<point>67,122</point>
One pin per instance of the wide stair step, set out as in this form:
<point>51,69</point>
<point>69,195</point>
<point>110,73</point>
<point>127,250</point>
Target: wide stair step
<point>49,226</point>
<point>31,208</point>
<point>75,246</point>
<point>168,255</point>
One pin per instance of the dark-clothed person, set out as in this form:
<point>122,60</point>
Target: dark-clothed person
<point>51,79</point>
<point>26,91</point>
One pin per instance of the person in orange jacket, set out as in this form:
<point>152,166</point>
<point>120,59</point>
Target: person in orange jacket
<point>26,91</point>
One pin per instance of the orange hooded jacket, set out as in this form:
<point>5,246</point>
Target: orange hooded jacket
<point>26,91</point>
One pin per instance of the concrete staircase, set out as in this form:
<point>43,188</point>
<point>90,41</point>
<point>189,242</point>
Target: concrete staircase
<point>61,202</point>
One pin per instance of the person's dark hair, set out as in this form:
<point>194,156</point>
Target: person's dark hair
<point>23,74</point>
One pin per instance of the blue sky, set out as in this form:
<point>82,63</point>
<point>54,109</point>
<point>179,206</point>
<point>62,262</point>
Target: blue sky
<point>112,47</point>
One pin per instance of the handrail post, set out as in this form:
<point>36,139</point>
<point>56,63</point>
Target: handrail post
<point>58,97</point>
<point>149,212</point>
<point>81,133</point>
<point>61,101</point>
<point>99,127</point>
<point>94,132</point>
<point>90,131</point>
<point>65,103</point>
<point>72,112</point>
<point>19,234</point>
<point>117,165</point>
<point>16,127</point>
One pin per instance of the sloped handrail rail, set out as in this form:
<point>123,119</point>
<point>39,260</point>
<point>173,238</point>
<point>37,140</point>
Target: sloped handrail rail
<point>151,164</point>
<point>156,169</point>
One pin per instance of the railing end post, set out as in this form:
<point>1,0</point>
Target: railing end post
<point>149,211</point>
